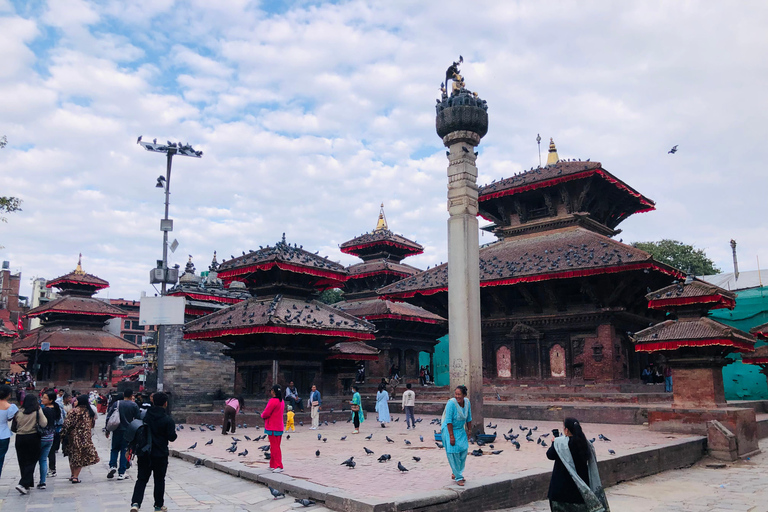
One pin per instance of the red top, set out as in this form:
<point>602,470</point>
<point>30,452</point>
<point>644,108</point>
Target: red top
<point>273,415</point>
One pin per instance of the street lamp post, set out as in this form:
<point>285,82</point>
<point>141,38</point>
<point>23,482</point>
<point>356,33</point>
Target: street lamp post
<point>170,149</point>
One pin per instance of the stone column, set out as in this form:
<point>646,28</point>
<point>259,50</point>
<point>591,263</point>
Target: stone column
<point>465,346</point>
<point>697,382</point>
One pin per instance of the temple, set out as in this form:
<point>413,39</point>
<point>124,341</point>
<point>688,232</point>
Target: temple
<point>71,347</point>
<point>402,330</point>
<point>558,293</point>
<point>282,334</point>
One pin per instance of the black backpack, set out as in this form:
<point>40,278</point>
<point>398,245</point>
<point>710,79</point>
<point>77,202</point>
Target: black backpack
<point>139,437</point>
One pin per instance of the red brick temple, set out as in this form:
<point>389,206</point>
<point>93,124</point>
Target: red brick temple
<point>558,293</point>
<point>402,330</point>
<point>282,334</point>
<point>72,347</point>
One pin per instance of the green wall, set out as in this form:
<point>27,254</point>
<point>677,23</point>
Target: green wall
<point>441,361</point>
<point>744,381</point>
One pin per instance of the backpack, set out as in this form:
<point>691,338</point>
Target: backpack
<point>113,422</point>
<point>139,437</point>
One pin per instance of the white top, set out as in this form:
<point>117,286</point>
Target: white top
<point>409,398</point>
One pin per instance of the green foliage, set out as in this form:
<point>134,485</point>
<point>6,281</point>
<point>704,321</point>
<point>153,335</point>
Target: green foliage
<point>9,205</point>
<point>331,296</point>
<point>679,255</point>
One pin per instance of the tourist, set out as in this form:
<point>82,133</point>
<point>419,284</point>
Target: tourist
<point>76,438</point>
<point>289,415</point>
<point>667,379</point>
<point>409,402</point>
<point>292,397</point>
<point>356,405</point>
<point>128,411</point>
<point>422,376</point>
<point>155,463</point>
<point>646,376</point>
<point>60,400</point>
<point>273,427</point>
<point>7,412</point>
<point>455,424</point>
<point>315,401</point>
<point>231,408</point>
<point>52,413</point>
<point>575,484</point>
<point>382,405</point>
<point>28,441</point>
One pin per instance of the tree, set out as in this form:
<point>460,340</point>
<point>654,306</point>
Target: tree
<point>679,255</point>
<point>331,296</point>
<point>8,204</point>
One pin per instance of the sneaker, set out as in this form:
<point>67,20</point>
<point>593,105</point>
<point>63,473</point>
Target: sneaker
<point>111,473</point>
<point>134,507</point>
<point>277,470</point>
<point>21,489</point>
<point>41,485</point>
<point>123,477</point>
<point>161,509</point>
<point>52,474</point>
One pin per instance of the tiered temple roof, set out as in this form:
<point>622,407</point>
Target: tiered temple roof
<point>206,294</point>
<point>381,243</point>
<point>78,282</point>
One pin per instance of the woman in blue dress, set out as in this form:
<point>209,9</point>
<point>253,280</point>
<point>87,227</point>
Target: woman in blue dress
<point>457,421</point>
<point>382,405</point>
<point>357,409</point>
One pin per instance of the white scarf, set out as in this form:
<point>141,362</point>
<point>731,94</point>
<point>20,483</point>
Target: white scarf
<point>593,494</point>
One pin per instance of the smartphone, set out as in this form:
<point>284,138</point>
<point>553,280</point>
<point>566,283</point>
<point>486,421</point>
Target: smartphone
<point>556,432</point>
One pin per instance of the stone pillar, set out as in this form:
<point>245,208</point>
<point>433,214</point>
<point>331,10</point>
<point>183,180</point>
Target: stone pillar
<point>698,382</point>
<point>465,345</point>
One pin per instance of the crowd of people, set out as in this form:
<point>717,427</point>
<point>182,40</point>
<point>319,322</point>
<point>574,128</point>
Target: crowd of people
<point>657,375</point>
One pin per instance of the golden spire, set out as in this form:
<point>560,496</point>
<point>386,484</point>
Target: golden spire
<point>552,159</point>
<point>381,225</point>
<point>79,269</point>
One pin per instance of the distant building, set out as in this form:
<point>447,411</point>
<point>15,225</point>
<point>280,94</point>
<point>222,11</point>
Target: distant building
<point>40,295</point>
<point>10,311</point>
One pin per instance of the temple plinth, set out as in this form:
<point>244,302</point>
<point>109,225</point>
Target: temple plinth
<point>462,120</point>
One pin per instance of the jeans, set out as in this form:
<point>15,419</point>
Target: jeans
<point>4,443</point>
<point>27,453</point>
<point>118,447</point>
<point>45,448</point>
<point>156,466</point>
<point>668,384</point>
<point>409,416</point>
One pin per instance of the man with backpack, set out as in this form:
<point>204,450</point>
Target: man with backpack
<point>150,445</point>
<point>126,411</point>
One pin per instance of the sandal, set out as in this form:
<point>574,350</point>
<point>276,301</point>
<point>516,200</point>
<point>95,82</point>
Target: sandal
<point>460,482</point>
<point>75,480</point>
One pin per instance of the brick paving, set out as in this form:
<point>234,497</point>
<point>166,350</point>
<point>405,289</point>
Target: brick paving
<point>187,488</point>
<point>738,487</point>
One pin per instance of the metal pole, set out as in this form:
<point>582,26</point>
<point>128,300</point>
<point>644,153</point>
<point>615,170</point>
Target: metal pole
<point>161,331</point>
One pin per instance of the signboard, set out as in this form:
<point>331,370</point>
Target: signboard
<point>161,311</point>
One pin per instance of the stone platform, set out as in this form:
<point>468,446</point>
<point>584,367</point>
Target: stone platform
<point>508,479</point>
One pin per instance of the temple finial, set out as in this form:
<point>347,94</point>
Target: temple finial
<point>214,266</point>
<point>381,225</point>
<point>552,159</point>
<point>190,268</point>
<point>79,269</point>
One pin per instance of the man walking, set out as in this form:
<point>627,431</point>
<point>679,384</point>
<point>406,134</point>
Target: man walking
<point>155,463</point>
<point>292,397</point>
<point>315,401</point>
<point>409,401</point>
<point>128,411</point>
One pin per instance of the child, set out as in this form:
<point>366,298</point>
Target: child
<point>289,420</point>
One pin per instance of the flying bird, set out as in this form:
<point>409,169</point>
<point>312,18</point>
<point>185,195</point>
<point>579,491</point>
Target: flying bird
<point>138,140</point>
<point>673,150</point>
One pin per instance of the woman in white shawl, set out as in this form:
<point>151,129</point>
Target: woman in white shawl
<point>382,405</point>
<point>575,484</point>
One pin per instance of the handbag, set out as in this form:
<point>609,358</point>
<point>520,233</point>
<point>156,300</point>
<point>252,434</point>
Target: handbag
<point>113,422</point>
<point>40,430</point>
<point>355,408</point>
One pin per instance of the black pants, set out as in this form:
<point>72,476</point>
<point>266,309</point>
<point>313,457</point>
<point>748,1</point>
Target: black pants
<point>27,453</point>
<point>52,454</point>
<point>356,420</point>
<point>229,419</point>
<point>147,466</point>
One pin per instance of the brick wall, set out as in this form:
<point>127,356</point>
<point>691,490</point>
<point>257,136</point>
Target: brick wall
<point>195,370</point>
<point>5,355</point>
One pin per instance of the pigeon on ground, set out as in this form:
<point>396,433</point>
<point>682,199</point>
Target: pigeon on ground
<point>496,452</point>
<point>538,441</point>
<point>407,442</point>
<point>319,437</point>
<point>421,438</point>
<point>603,438</point>
<point>343,438</point>
<point>192,447</point>
<point>535,428</point>
<point>325,439</point>
<point>301,423</point>
<point>544,444</point>
<point>288,436</point>
<point>317,453</point>
<point>510,430</point>
<point>209,442</point>
<point>439,445</point>
<point>247,438</point>
<point>243,453</point>
<point>236,439</point>
<point>417,459</point>
<point>352,465</point>
<point>367,451</point>
<point>277,494</point>
<point>369,437</point>
<point>612,452</point>
<point>191,428</point>
<point>592,440</point>
<point>306,502</point>
<point>347,462</point>
<point>402,468</point>
<point>397,419</point>
<point>545,435</point>
<point>522,427</point>
<point>388,439</point>
<point>384,458</point>
<point>232,449</point>
<point>517,445</point>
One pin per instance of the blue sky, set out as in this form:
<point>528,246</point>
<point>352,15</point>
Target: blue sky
<point>311,114</point>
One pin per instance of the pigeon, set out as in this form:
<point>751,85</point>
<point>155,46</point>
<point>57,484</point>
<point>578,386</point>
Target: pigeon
<point>522,427</point>
<point>397,419</point>
<point>417,459</point>
<point>407,442</point>
<point>325,439</point>
<point>191,428</point>
<point>496,452</point>
<point>673,150</point>
<point>236,439</point>
<point>603,438</point>
<point>439,445</point>
<point>544,444</point>
<point>319,437</point>
<point>401,467</point>
<point>343,438</point>
<point>347,462</point>
<point>517,445</point>
<point>388,439</point>
<point>288,436</point>
<point>477,453</point>
<point>421,438</point>
<point>545,435</point>
<point>612,452</point>
<point>243,453</point>
<point>277,494</point>
<point>138,140</point>
<point>535,428</point>
<point>304,501</point>
<point>192,447</point>
<point>247,438</point>
<point>232,449</point>
<point>301,423</point>
<point>367,451</point>
<point>592,440</point>
<point>463,148</point>
<point>209,442</point>
<point>267,455</point>
<point>352,465</point>
<point>317,453</point>
<point>538,441</point>
<point>199,463</point>
<point>369,437</point>
<point>384,458</point>
<point>263,448</point>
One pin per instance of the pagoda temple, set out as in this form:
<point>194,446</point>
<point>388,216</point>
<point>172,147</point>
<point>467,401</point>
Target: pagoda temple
<point>72,347</point>
<point>282,334</point>
<point>558,292</point>
<point>402,330</point>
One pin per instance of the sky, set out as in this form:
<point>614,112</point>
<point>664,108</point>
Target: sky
<point>311,114</point>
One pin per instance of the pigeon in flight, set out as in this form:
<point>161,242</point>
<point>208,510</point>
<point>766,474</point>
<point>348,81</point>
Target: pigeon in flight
<point>673,150</point>
<point>138,140</point>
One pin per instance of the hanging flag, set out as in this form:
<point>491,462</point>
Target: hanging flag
<point>19,325</point>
